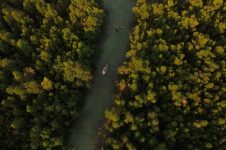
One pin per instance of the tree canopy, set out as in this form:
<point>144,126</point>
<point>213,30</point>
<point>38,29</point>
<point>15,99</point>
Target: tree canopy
<point>171,91</point>
<point>47,52</point>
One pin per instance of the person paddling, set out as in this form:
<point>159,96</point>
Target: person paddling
<point>118,28</point>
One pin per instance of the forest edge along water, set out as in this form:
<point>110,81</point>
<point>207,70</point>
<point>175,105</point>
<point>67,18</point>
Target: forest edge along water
<point>114,45</point>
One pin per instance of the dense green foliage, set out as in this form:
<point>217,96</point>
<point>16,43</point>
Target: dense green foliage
<point>172,87</point>
<point>46,54</point>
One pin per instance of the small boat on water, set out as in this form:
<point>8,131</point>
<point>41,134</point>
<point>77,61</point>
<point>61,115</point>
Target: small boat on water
<point>104,70</point>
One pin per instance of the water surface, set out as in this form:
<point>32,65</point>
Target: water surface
<point>114,46</point>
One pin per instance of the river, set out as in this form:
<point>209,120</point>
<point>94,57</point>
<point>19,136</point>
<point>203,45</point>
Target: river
<point>100,97</point>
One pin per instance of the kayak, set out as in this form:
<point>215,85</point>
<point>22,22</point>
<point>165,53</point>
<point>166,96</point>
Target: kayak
<point>104,70</point>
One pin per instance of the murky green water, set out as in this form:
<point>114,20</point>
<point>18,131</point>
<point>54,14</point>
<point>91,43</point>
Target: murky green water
<point>114,46</point>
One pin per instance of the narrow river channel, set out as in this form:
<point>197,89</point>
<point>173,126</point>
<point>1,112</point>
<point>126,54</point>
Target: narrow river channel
<point>114,46</point>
